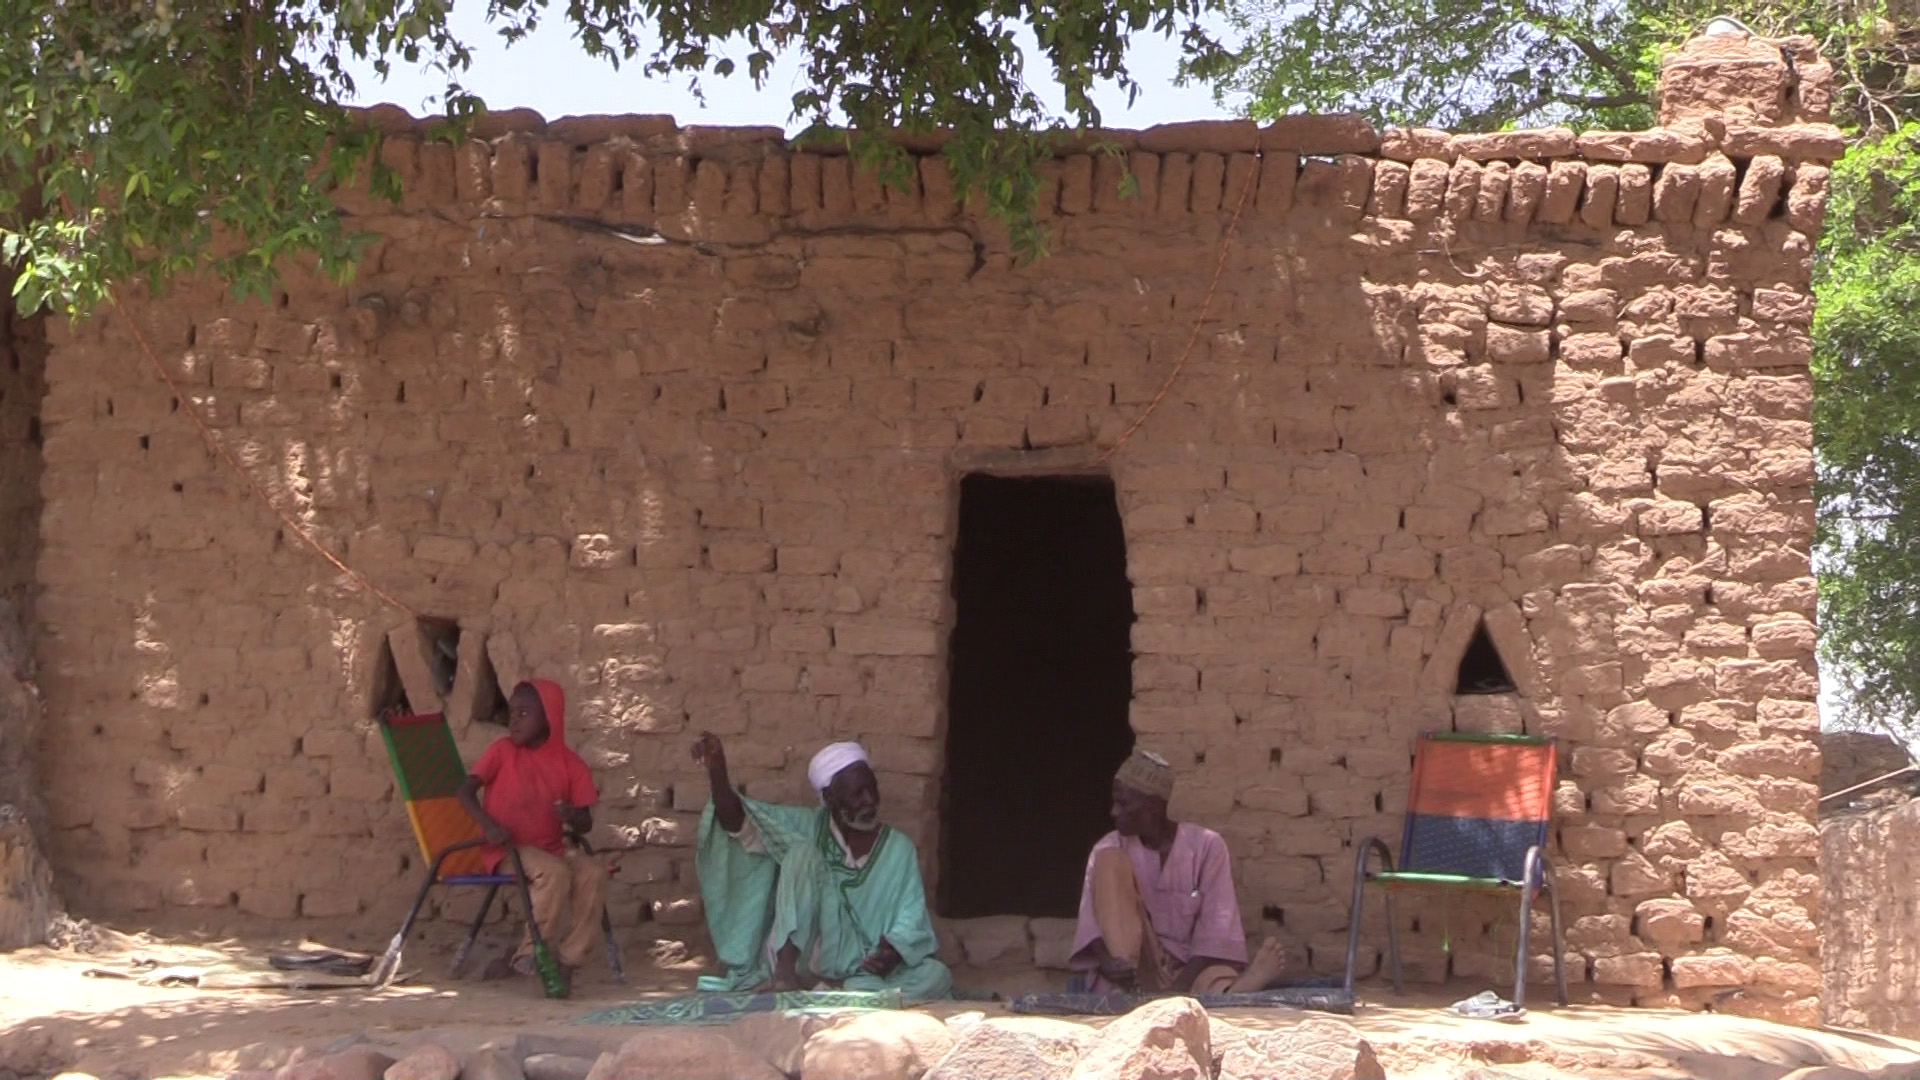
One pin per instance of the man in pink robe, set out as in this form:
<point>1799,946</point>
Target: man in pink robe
<point>1157,912</point>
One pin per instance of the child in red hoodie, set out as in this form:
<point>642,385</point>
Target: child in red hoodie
<point>537,789</point>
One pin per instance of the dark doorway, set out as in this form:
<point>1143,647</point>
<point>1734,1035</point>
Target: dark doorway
<point>1040,683</point>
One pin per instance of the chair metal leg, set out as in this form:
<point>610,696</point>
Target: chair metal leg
<point>389,965</point>
<point>473,934</point>
<point>1559,939</point>
<point>1538,878</point>
<point>1526,928</point>
<point>1393,943</point>
<point>1367,847</point>
<point>613,948</point>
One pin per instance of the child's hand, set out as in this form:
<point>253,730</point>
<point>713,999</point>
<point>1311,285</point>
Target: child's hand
<point>495,833</point>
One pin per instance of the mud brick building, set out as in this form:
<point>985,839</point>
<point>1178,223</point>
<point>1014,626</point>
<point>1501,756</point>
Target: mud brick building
<point>1475,431</point>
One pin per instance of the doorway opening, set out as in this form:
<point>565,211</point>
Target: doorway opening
<point>1040,678</point>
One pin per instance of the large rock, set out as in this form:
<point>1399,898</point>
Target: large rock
<point>528,1043</point>
<point>1316,1048</point>
<point>682,1054</point>
<point>428,1061</point>
<point>350,1063</point>
<point>492,1063</point>
<point>1162,1040</point>
<point>1223,1038</point>
<point>779,1038</point>
<point>876,1046</point>
<point>556,1067</point>
<point>1014,1048</point>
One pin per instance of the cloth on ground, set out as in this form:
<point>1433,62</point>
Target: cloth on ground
<point>215,969</point>
<point>1330,999</point>
<point>720,1008</point>
<point>1487,1005</point>
<point>787,877</point>
<point>522,783</point>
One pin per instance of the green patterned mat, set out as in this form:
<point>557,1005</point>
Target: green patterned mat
<point>720,1008</point>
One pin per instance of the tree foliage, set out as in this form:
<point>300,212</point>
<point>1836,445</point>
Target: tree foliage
<point>1471,65</point>
<point>1475,65</point>
<point>142,138</point>
<point>1867,415</point>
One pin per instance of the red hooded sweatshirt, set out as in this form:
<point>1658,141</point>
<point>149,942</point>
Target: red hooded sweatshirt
<point>522,783</point>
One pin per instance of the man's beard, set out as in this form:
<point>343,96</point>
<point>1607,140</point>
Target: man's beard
<point>860,820</point>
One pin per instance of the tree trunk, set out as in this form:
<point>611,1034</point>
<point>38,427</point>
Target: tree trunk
<point>27,901</point>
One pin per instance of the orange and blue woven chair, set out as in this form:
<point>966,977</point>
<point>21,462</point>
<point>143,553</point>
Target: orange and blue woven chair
<point>427,766</point>
<point>1479,814</point>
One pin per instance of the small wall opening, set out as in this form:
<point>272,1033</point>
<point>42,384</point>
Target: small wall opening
<point>1040,682</point>
<point>389,693</point>
<point>1481,669</point>
<point>489,700</point>
<point>442,638</point>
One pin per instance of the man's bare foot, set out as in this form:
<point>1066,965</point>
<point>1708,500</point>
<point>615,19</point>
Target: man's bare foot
<point>1269,962</point>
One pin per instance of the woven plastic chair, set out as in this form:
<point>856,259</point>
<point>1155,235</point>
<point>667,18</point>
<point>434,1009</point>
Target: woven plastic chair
<point>1478,816</point>
<point>427,766</point>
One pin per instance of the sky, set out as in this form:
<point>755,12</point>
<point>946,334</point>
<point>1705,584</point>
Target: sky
<point>549,73</point>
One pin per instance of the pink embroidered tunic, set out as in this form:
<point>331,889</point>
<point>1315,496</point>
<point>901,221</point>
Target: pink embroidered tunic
<point>1189,898</point>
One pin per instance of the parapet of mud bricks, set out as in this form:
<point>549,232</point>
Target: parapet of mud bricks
<point>675,416</point>
<point>1745,140</point>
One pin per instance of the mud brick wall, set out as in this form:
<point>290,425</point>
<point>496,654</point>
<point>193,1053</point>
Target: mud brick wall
<point>677,417</point>
<point>1870,951</point>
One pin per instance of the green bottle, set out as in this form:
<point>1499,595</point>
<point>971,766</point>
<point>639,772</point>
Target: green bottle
<point>552,981</point>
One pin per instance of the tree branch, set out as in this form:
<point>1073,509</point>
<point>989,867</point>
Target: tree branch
<point>1600,101</point>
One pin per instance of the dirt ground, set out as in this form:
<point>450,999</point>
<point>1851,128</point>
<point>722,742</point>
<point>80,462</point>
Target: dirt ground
<point>58,1013</point>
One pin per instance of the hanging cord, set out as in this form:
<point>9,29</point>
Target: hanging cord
<point>1199,323</point>
<point>219,448</point>
<point>1902,771</point>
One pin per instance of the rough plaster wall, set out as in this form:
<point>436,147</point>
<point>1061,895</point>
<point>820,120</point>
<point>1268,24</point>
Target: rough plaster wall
<point>1871,954</point>
<point>1555,383</point>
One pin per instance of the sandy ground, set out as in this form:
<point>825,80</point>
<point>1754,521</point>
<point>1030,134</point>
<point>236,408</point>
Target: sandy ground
<point>54,1016</point>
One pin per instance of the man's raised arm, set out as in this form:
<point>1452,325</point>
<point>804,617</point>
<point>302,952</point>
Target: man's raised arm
<point>727,808</point>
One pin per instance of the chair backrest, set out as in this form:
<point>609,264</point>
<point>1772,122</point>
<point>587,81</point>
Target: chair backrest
<point>429,770</point>
<point>1477,803</point>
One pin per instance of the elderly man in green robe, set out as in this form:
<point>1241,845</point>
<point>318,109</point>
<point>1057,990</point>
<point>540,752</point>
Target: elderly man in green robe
<point>806,896</point>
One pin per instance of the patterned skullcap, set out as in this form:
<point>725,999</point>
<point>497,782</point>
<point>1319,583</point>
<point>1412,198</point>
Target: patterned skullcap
<point>1148,772</point>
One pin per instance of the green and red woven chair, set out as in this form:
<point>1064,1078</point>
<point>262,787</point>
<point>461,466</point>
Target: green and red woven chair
<point>1479,812</point>
<point>427,766</point>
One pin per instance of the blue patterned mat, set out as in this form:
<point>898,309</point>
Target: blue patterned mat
<point>1320,995</point>
<point>720,1008</point>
